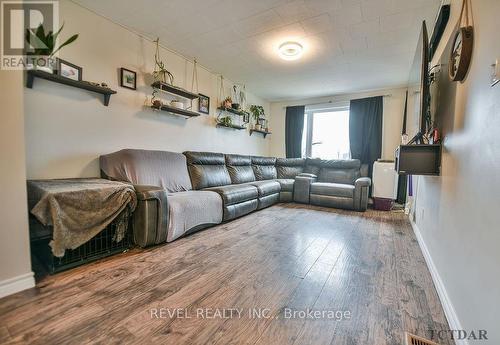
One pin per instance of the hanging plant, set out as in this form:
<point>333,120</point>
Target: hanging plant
<point>238,95</point>
<point>160,73</point>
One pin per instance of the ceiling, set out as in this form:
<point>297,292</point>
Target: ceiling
<point>349,45</point>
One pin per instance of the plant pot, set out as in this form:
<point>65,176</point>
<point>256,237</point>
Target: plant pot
<point>157,104</point>
<point>45,64</point>
<point>257,127</point>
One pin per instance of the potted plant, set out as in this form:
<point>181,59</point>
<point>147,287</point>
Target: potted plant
<point>257,114</point>
<point>226,121</point>
<point>44,46</point>
<point>160,73</point>
<point>238,96</point>
<point>227,103</point>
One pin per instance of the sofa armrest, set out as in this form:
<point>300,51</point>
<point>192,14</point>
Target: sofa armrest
<point>363,182</point>
<point>361,190</point>
<point>150,220</point>
<point>302,187</point>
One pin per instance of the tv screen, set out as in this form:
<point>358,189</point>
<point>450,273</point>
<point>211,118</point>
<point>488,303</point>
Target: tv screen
<point>418,85</point>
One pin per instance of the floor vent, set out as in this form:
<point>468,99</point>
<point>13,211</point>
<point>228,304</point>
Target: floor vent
<point>415,340</point>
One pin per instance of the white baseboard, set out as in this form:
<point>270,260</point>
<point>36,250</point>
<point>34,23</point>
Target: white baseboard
<point>449,311</point>
<point>16,284</point>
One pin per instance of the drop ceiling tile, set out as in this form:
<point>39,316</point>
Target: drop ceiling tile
<point>365,29</point>
<point>316,7</point>
<point>346,16</point>
<point>347,3</point>
<point>239,10</point>
<point>409,5</point>
<point>293,11</point>
<point>290,32</point>
<point>379,40</point>
<point>258,23</point>
<point>398,21</point>
<point>374,9</point>
<point>216,38</point>
<point>317,24</point>
<point>353,45</point>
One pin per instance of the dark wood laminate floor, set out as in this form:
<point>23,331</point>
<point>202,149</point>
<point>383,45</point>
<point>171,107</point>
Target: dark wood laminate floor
<point>282,259</point>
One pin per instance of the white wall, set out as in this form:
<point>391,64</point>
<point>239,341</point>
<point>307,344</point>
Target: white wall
<point>15,265</point>
<point>392,118</point>
<point>67,129</point>
<point>457,213</point>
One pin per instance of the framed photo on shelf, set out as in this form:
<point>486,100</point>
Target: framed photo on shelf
<point>204,104</point>
<point>68,70</point>
<point>246,118</point>
<point>128,79</point>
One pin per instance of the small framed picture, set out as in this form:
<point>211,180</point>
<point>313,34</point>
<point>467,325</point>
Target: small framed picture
<point>68,70</point>
<point>128,79</point>
<point>204,104</point>
<point>246,118</point>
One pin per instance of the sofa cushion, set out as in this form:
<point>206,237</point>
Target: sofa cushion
<point>266,187</point>
<point>333,189</point>
<point>289,167</point>
<point>264,168</point>
<point>236,193</point>
<point>147,167</point>
<point>239,168</point>
<point>207,169</point>
<point>286,184</point>
<point>340,171</point>
<point>240,209</point>
<point>192,210</point>
<point>313,165</point>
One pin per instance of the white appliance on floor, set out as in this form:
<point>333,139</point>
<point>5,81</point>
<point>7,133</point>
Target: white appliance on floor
<point>385,184</point>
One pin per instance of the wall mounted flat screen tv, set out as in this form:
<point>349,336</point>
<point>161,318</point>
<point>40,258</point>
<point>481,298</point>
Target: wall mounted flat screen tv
<point>418,83</point>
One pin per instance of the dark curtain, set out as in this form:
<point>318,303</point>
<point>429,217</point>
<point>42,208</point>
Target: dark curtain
<point>365,130</point>
<point>294,125</point>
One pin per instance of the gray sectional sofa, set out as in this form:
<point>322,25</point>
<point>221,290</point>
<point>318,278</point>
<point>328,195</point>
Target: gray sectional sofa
<point>179,193</point>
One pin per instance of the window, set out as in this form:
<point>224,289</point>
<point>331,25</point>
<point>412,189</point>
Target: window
<point>326,134</point>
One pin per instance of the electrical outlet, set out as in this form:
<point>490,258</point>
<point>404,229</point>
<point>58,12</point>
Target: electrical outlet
<point>495,77</point>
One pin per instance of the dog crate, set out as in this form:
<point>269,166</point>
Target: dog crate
<point>100,246</point>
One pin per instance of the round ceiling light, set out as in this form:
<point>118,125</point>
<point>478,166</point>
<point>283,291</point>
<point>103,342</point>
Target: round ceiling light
<point>290,50</point>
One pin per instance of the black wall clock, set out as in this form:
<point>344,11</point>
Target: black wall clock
<point>461,53</point>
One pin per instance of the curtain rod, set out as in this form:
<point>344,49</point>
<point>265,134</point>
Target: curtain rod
<point>332,102</point>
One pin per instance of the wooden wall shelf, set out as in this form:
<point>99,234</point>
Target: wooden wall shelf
<point>176,111</point>
<point>174,90</point>
<point>265,133</point>
<point>105,91</point>
<point>233,111</point>
<point>221,125</point>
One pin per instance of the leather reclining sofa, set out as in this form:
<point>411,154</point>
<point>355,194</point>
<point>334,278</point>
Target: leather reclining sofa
<point>180,193</point>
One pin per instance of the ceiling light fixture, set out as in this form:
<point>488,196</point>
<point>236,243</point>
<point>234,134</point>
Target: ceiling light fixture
<point>290,50</point>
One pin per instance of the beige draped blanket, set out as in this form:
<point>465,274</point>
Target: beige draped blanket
<point>78,209</point>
